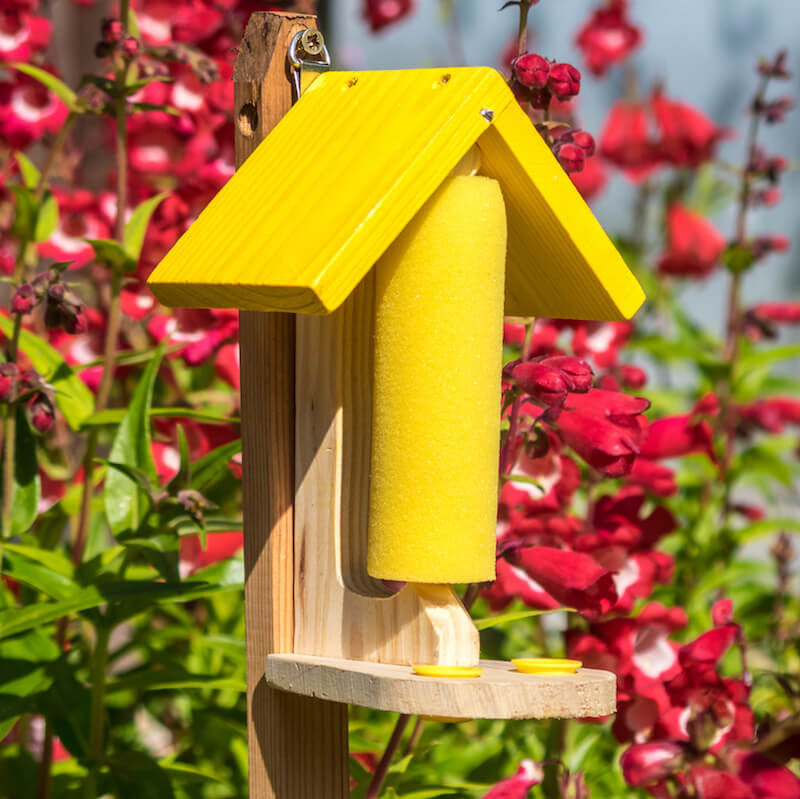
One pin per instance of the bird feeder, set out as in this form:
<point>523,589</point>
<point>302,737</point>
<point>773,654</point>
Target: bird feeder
<point>373,241</point>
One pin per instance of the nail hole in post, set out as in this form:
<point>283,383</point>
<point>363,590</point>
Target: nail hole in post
<point>445,79</point>
<point>248,119</point>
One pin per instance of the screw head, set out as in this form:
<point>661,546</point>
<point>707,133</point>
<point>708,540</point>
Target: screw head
<point>487,114</point>
<point>312,41</point>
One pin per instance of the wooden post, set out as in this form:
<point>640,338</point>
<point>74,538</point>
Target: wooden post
<point>297,745</point>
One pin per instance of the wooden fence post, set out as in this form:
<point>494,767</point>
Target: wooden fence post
<point>297,745</point>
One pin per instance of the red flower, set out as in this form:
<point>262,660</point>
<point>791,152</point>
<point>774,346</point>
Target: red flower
<point>654,477</point>
<point>695,245</point>
<point>591,180</point>
<point>604,428</point>
<point>766,779</point>
<point>219,546</point>
<point>772,414</point>
<point>787,313</point>
<point>709,783</point>
<point>79,218</point>
<point>649,763</point>
<point>688,137</point>
<point>527,775</point>
<point>675,436</point>
<point>28,111</point>
<point>573,579</point>
<point>608,36</point>
<point>380,13</point>
<point>626,140</point>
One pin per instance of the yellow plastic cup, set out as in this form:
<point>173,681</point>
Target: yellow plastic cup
<point>446,671</point>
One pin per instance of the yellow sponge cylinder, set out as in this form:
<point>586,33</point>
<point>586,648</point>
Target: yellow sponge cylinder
<point>436,413</point>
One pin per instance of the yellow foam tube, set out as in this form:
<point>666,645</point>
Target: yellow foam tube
<point>436,419</point>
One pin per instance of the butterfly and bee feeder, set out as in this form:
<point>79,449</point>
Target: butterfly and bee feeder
<point>379,226</point>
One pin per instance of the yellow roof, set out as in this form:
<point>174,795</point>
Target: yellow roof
<point>317,203</point>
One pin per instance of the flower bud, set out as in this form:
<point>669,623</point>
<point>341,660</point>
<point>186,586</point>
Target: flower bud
<point>111,30</point>
<point>571,157</point>
<point>103,50</point>
<point>543,383</point>
<point>531,70</point>
<point>24,299</point>
<point>585,141</point>
<point>130,47</point>
<point>8,381</point>
<point>632,376</point>
<point>540,99</point>
<point>41,413</point>
<point>564,81</point>
<point>577,372</point>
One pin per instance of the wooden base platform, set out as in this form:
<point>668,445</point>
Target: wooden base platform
<point>500,692</point>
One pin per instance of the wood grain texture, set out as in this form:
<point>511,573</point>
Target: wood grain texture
<point>500,692</point>
<point>298,745</point>
<point>371,148</point>
<point>339,610</point>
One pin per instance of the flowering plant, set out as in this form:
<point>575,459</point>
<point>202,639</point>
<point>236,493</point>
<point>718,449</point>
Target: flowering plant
<point>627,495</point>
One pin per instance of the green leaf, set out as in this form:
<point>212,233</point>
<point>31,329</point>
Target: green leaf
<point>73,398</point>
<point>133,596</point>
<point>208,470</point>
<point>136,227</point>
<point>738,259</point>
<point>187,772</point>
<point>495,621</point>
<point>47,218</point>
<point>137,776</point>
<point>112,254</point>
<point>38,576</point>
<point>113,416</point>
<point>763,357</point>
<point>174,679</point>
<point>26,209</point>
<point>58,87</point>
<point>767,527</point>
<point>27,485</point>
<point>125,502</point>
<point>30,172</point>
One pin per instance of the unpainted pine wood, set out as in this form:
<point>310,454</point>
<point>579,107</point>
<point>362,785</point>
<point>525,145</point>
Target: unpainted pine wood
<point>297,745</point>
<point>339,610</point>
<point>500,692</point>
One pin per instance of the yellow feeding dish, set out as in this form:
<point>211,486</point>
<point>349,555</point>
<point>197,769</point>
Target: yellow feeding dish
<point>455,672</point>
<point>546,665</point>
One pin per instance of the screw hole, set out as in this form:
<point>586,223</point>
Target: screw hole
<point>352,82</point>
<point>445,79</point>
<point>248,119</point>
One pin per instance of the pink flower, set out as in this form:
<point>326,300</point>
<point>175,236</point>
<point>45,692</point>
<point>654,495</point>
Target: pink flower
<point>626,140</point>
<point>22,34</point>
<point>688,137</point>
<point>695,245</point>
<point>601,341</point>
<point>709,783</point>
<point>604,428</point>
<point>381,13</point>
<point>649,763</point>
<point>608,36</point>
<point>527,775</point>
<point>79,219</point>
<point>28,111</point>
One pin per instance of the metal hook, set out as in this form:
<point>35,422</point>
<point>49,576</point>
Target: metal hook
<point>309,42</point>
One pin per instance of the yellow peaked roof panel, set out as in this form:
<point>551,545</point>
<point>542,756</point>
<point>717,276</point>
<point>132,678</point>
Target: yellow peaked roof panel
<point>323,196</point>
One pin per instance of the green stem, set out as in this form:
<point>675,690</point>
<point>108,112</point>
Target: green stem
<point>556,741</point>
<point>382,769</point>
<point>727,417</point>
<point>96,724</point>
<point>522,39</point>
